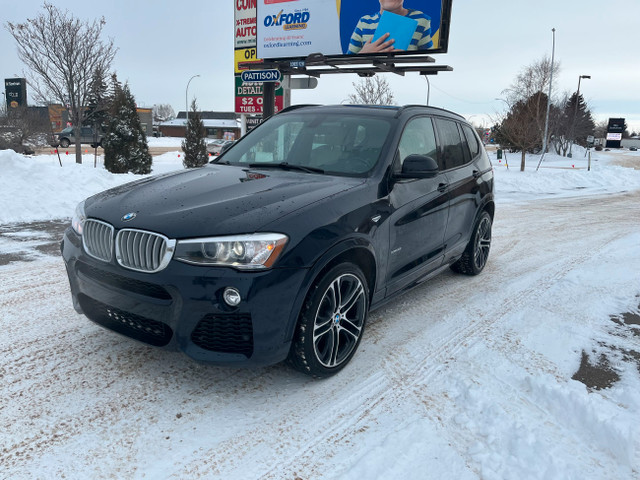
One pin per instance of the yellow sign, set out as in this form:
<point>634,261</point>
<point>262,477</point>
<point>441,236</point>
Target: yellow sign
<point>245,55</point>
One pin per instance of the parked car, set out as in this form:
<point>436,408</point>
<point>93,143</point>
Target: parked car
<point>215,147</point>
<point>66,137</point>
<point>280,247</point>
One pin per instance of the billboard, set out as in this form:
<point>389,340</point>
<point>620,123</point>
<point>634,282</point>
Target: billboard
<point>248,94</point>
<point>616,125</point>
<point>615,129</point>
<point>245,33</point>
<point>16,92</point>
<point>298,28</point>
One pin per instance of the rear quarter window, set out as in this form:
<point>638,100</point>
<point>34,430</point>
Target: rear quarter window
<point>472,140</point>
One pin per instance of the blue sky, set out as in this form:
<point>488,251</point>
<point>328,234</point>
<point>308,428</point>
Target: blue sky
<point>163,44</point>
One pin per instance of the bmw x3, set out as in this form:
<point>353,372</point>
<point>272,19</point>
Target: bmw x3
<point>279,248</point>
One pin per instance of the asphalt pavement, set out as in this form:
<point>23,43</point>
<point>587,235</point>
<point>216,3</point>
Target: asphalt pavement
<point>24,242</point>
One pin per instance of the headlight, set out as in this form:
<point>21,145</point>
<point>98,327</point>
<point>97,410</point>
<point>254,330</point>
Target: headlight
<point>245,252</point>
<point>78,218</point>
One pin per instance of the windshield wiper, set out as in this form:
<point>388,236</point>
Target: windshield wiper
<point>287,166</point>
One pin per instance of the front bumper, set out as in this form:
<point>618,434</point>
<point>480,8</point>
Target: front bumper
<point>181,307</point>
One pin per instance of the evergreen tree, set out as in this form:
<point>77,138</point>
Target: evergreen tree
<point>98,102</point>
<point>193,145</point>
<point>579,122</point>
<point>125,143</point>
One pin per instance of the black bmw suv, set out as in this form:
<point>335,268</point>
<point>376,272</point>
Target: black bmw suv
<point>280,247</point>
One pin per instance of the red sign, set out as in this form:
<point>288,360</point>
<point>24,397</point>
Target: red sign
<point>249,97</point>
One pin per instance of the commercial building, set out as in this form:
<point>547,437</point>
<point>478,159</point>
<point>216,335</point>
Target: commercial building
<point>217,124</point>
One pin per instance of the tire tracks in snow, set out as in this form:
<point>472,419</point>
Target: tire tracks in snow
<point>407,376</point>
<point>77,382</point>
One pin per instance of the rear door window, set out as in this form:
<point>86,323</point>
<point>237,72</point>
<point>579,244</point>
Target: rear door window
<point>451,145</point>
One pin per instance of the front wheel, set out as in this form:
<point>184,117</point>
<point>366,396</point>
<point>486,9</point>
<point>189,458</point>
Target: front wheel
<point>476,254</point>
<point>64,143</point>
<point>331,323</point>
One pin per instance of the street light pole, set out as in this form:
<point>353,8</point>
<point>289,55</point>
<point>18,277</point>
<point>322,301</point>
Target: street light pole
<point>186,98</point>
<point>575,113</point>
<point>428,89</point>
<point>546,120</point>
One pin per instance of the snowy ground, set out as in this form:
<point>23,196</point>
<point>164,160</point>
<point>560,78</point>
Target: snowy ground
<point>462,378</point>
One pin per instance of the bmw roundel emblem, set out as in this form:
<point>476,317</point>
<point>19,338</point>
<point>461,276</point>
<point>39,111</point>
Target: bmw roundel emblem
<point>128,216</point>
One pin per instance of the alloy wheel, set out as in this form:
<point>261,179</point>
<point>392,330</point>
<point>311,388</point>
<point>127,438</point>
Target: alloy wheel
<point>339,320</point>
<point>483,243</point>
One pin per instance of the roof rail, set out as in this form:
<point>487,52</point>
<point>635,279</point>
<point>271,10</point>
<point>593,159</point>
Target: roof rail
<point>295,107</point>
<point>404,107</point>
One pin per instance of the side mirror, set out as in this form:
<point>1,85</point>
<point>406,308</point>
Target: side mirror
<point>419,166</point>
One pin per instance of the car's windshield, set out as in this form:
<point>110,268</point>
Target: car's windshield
<point>332,143</point>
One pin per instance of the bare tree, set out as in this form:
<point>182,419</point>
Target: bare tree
<point>163,112</point>
<point>522,127</point>
<point>372,91</point>
<point>63,55</point>
<point>23,128</point>
<point>601,129</point>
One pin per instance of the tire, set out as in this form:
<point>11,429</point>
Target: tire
<point>331,323</point>
<point>476,253</point>
<point>64,143</point>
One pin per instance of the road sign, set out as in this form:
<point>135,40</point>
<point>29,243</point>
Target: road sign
<point>261,76</point>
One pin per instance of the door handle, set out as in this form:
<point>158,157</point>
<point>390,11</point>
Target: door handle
<point>477,174</point>
<point>442,187</point>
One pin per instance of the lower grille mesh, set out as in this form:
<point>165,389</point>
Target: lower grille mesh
<point>135,326</point>
<point>225,334</point>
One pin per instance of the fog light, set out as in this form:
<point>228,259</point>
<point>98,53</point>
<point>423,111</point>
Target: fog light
<point>231,296</point>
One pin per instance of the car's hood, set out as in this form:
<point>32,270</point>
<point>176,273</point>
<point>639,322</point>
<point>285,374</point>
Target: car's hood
<point>213,200</point>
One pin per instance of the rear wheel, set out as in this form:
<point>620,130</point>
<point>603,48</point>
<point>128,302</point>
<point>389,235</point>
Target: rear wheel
<point>332,321</point>
<point>476,254</point>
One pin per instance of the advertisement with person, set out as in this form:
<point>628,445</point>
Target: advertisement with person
<point>298,28</point>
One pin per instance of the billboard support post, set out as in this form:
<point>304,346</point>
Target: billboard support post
<point>268,99</point>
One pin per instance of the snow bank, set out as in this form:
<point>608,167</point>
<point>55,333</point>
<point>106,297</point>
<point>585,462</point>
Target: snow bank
<point>34,188</point>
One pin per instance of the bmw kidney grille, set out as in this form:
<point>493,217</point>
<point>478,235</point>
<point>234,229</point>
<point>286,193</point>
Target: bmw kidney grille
<point>97,238</point>
<point>135,249</point>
